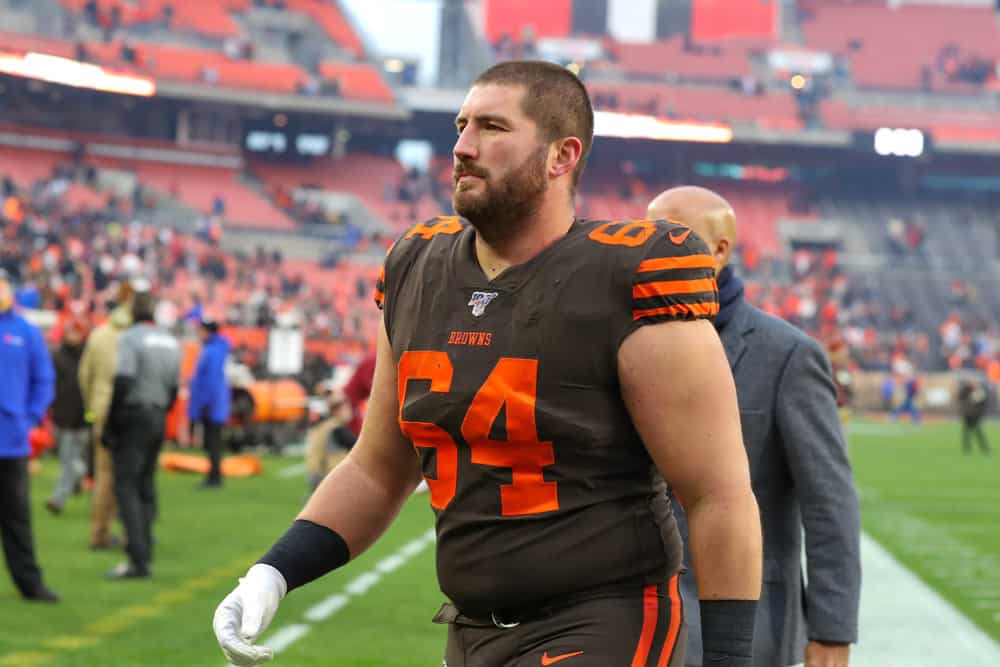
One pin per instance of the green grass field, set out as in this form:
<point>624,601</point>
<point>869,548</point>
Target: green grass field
<point>205,540</point>
<point>935,509</point>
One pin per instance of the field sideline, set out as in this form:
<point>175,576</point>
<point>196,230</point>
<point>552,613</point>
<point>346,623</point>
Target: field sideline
<point>935,510</point>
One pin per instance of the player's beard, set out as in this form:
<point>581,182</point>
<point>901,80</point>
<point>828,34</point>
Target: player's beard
<point>504,207</point>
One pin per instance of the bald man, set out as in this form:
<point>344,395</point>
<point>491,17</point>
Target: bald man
<point>798,464</point>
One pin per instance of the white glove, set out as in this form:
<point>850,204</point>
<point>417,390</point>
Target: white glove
<point>246,612</point>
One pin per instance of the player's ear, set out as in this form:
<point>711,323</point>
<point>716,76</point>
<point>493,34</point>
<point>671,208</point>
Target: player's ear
<point>721,252</point>
<point>564,156</point>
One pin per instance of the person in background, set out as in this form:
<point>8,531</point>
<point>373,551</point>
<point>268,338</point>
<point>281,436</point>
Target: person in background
<point>887,392</point>
<point>359,388</point>
<point>97,374</point>
<point>209,400</point>
<point>972,401</point>
<point>26,389</point>
<point>330,439</point>
<point>145,388</point>
<point>799,466</point>
<point>911,391</point>
<point>68,415</point>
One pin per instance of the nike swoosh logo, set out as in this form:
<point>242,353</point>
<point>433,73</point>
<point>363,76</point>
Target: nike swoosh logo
<point>678,239</point>
<point>546,660</point>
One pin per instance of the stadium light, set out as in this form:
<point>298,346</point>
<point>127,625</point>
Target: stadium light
<point>67,72</point>
<point>637,126</point>
<point>899,142</point>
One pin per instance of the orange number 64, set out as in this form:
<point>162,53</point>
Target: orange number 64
<point>511,384</point>
<point>631,234</point>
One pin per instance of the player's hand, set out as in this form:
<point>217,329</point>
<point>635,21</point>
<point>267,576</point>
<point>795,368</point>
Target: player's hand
<point>822,654</point>
<point>246,612</point>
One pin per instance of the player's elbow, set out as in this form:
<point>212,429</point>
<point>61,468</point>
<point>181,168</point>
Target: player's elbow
<point>728,496</point>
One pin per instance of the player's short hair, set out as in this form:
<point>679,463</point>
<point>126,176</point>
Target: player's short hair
<point>554,98</point>
<point>143,307</point>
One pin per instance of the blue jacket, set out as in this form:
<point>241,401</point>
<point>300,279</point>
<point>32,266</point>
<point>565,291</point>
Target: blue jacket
<point>27,383</point>
<point>209,397</point>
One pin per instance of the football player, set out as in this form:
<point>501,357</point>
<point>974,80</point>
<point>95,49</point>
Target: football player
<point>549,377</point>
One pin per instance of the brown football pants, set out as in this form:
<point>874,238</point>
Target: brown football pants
<point>103,506</point>
<point>640,628</point>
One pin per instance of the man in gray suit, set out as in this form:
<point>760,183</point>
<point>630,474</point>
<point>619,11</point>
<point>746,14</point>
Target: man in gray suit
<point>798,464</point>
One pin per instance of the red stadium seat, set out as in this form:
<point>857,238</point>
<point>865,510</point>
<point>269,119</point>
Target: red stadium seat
<point>329,17</point>
<point>189,64</point>
<point>775,109</point>
<point>27,165</point>
<point>720,61</point>
<point>892,45</point>
<point>944,125</point>
<point>198,187</point>
<point>206,17</point>
<point>15,41</point>
<point>357,81</point>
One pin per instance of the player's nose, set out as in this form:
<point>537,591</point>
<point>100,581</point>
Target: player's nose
<point>466,148</point>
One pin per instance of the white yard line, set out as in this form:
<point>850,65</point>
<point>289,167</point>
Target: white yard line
<point>905,623</point>
<point>285,636</point>
<point>327,608</point>
<point>293,470</point>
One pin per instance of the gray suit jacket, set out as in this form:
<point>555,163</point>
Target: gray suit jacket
<point>802,479</point>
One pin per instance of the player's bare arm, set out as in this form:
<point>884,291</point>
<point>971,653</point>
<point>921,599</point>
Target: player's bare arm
<point>362,495</point>
<point>680,393</point>
<point>349,511</point>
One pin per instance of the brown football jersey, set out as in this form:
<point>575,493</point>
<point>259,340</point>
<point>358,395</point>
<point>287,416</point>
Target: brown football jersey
<point>509,391</point>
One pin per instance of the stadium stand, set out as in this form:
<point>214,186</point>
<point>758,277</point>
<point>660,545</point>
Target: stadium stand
<point>776,110</point>
<point>879,40</point>
<point>244,291</point>
<point>945,125</point>
<point>332,20</point>
<point>377,180</point>
<point>205,43</point>
<point>199,66</point>
<point>720,62</point>
<point>708,77</point>
<point>209,17</point>
<point>357,81</point>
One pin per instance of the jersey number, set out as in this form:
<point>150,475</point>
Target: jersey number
<point>512,385</point>
<point>630,233</point>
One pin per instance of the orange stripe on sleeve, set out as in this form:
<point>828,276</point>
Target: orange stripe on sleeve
<point>668,287</point>
<point>697,309</point>
<point>673,630</point>
<point>684,262</point>
<point>650,610</point>
<point>379,296</point>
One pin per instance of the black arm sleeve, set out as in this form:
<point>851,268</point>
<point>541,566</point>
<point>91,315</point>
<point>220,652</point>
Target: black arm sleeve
<point>305,552</point>
<point>727,632</point>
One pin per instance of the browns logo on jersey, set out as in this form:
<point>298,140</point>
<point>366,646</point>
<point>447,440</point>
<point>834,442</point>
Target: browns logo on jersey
<point>508,389</point>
